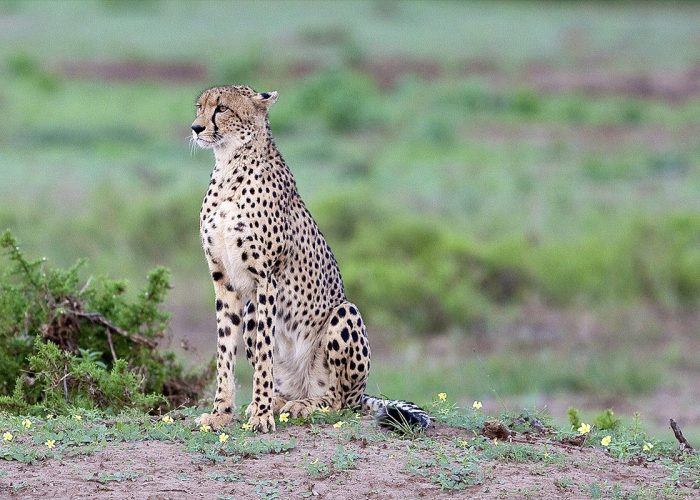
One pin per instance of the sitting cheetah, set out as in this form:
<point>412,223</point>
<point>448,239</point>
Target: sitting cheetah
<point>276,281</point>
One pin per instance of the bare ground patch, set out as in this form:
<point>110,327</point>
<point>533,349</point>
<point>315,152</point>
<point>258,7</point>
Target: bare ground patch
<point>384,467</point>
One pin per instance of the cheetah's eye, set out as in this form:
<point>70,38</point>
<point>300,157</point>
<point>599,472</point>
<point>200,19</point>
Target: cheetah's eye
<point>221,108</point>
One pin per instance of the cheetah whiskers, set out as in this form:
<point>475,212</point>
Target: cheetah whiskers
<point>193,144</point>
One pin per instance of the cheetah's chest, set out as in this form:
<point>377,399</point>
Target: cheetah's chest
<point>225,237</point>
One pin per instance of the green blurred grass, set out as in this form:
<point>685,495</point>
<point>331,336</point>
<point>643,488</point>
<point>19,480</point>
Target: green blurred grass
<point>452,199</point>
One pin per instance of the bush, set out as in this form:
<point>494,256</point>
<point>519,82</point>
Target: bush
<point>344,100</point>
<point>66,344</point>
<point>410,273</point>
<point>655,258</point>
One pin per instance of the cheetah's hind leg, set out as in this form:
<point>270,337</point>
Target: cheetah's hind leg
<point>343,367</point>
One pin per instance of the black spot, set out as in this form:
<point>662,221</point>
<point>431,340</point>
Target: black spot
<point>353,311</point>
<point>251,325</point>
<point>334,321</point>
<point>341,312</point>
<point>335,345</point>
<point>219,305</point>
<point>216,276</point>
<point>345,334</point>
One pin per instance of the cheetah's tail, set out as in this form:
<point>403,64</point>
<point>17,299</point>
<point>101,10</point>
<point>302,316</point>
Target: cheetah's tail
<point>391,413</point>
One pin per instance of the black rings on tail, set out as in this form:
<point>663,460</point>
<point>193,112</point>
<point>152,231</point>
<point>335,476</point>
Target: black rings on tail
<point>395,414</point>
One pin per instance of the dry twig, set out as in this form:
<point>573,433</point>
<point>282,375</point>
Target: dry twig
<point>98,319</point>
<point>684,444</point>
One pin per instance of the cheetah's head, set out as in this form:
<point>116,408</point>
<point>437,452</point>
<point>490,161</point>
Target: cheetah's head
<point>230,117</point>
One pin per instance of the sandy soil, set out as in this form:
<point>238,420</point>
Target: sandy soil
<point>163,470</point>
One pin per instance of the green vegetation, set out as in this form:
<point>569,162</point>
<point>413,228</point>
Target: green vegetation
<point>66,344</point>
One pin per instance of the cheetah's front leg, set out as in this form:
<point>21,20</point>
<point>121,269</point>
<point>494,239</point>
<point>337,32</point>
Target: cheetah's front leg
<point>260,410</point>
<point>228,324</point>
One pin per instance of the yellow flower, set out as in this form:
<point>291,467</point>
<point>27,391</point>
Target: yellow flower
<point>26,423</point>
<point>223,438</point>
<point>245,426</point>
<point>49,416</point>
<point>477,405</point>
<point>647,446</point>
<point>204,428</point>
<point>167,419</point>
<point>77,417</point>
<point>463,443</point>
<point>606,440</point>
<point>442,396</point>
<point>584,428</point>
<point>545,455</point>
<point>7,436</point>
<point>50,443</point>
<point>284,417</point>
<point>338,425</point>
<point>324,409</point>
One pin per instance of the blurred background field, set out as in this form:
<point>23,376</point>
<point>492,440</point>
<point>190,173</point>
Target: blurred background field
<point>512,189</point>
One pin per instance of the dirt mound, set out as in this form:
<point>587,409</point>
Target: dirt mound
<point>330,463</point>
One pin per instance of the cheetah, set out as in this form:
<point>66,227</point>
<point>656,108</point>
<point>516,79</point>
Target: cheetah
<point>276,281</point>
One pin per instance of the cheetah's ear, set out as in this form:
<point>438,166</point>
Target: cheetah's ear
<point>265,99</point>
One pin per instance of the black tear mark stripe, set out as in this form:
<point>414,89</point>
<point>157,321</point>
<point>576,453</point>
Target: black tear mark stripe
<point>213,117</point>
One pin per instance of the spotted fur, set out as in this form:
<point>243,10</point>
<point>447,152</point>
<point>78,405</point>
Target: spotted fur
<point>276,281</point>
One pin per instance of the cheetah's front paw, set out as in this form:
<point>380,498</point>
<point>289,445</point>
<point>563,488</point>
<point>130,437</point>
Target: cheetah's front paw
<point>216,422</point>
<point>264,422</point>
<point>259,420</point>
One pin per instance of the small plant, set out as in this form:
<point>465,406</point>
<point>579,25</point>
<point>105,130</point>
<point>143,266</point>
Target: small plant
<point>563,483</point>
<point>227,478</point>
<point>267,489</point>
<point>344,459</point>
<point>317,467</point>
<point>574,417</point>
<point>606,420</point>
<point>118,477</point>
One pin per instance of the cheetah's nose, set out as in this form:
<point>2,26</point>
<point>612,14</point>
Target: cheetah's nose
<point>197,128</point>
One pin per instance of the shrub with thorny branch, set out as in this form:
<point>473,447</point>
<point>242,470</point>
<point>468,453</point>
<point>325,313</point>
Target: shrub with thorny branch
<point>65,343</point>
